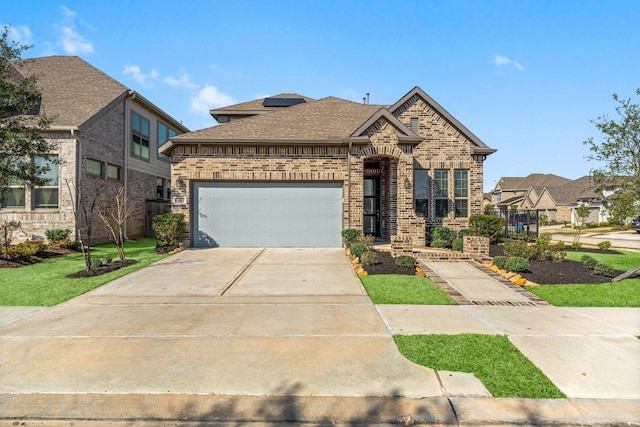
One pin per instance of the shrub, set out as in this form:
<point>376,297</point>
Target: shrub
<point>405,261</point>
<point>169,229</point>
<point>558,255</point>
<point>500,262</point>
<point>576,245</point>
<point>74,245</point>
<point>604,245</point>
<point>490,226</point>
<point>518,248</point>
<point>369,258</point>
<point>350,235</point>
<point>95,263</point>
<point>602,270</point>
<point>457,245</point>
<point>442,237</point>
<point>588,261</point>
<point>106,259</point>
<point>57,234</point>
<point>358,249</point>
<point>25,249</point>
<point>516,264</point>
<point>546,236</point>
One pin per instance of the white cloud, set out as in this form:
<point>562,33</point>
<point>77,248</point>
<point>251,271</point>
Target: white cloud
<point>183,81</point>
<point>500,61</point>
<point>69,38</point>
<point>137,74</point>
<point>19,34</point>
<point>207,98</point>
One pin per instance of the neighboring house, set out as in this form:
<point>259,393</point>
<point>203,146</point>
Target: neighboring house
<point>293,171</point>
<point>551,195</point>
<point>107,136</point>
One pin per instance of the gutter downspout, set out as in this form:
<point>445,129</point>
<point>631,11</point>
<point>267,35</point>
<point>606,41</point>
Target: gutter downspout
<point>127,138</point>
<point>349,186</point>
<point>78,178</point>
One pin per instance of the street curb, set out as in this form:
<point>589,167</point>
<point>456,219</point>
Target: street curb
<point>318,410</point>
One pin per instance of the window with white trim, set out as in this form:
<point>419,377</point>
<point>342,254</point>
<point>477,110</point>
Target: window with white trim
<point>46,196</point>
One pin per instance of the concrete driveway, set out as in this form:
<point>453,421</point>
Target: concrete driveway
<point>223,321</point>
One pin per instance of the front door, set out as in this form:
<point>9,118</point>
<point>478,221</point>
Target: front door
<point>372,206</point>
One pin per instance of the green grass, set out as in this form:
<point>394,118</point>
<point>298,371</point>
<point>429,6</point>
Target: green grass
<point>624,261</point>
<point>494,360</point>
<point>403,289</point>
<point>625,293</point>
<point>46,284</point>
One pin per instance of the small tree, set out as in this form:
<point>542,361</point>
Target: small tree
<point>622,208</point>
<point>83,208</point>
<point>8,229</point>
<point>114,215</point>
<point>582,212</point>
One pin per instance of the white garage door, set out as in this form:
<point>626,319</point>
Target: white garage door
<point>267,214</point>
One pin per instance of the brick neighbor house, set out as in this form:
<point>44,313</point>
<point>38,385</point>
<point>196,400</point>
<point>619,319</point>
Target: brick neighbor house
<point>106,136</point>
<point>293,171</point>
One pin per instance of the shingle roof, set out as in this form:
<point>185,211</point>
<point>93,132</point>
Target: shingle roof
<point>574,191</point>
<point>536,180</point>
<point>256,104</point>
<point>327,119</point>
<point>72,90</point>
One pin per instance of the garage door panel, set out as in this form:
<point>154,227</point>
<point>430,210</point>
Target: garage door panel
<point>268,214</point>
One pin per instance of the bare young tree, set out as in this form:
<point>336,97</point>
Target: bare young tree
<point>8,228</point>
<point>83,208</point>
<point>114,215</point>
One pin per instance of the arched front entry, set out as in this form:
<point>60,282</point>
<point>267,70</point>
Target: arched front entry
<point>380,196</point>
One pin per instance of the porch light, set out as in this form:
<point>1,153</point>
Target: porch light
<point>407,183</point>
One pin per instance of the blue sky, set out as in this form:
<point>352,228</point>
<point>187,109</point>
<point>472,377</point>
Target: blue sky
<point>525,76</point>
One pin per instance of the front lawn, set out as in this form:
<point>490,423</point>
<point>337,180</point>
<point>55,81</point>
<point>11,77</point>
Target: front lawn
<point>493,359</point>
<point>625,293</point>
<point>404,289</point>
<point>47,284</point>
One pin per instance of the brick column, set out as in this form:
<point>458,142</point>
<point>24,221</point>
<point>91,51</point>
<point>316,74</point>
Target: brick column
<point>476,246</point>
<point>401,246</point>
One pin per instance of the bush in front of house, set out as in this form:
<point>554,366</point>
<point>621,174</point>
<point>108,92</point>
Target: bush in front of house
<point>516,264</point>
<point>350,236</point>
<point>588,261</point>
<point>169,229</point>
<point>490,226</point>
<point>519,248</point>
<point>358,249</point>
<point>369,258</point>
<point>442,237</point>
<point>405,261</point>
<point>500,261</point>
<point>25,249</point>
<point>457,245</point>
<point>56,235</point>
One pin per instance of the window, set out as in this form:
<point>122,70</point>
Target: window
<point>421,192</point>
<point>140,135</point>
<point>415,125</point>
<point>95,167</point>
<point>113,172</point>
<point>15,196</point>
<point>164,133</point>
<point>441,192</point>
<point>160,185</point>
<point>168,189</point>
<point>461,192</point>
<point>46,196</point>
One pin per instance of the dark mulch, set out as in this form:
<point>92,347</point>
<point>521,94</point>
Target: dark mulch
<point>45,254</point>
<point>387,265</point>
<point>561,273</point>
<point>103,269</point>
<point>165,249</point>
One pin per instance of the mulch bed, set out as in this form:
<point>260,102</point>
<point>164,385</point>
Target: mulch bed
<point>50,252</point>
<point>561,273</point>
<point>387,265</point>
<point>105,268</point>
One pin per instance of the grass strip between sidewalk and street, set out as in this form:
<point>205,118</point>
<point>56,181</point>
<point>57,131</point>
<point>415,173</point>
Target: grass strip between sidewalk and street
<point>404,289</point>
<point>493,359</point>
<point>46,283</point>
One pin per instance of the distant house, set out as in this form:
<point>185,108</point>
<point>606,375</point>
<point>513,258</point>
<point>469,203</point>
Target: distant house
<point>289,170</point>
<point>106,136</point>
<point>551,195</point>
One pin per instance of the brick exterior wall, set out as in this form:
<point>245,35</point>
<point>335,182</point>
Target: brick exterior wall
<point>444,148</point>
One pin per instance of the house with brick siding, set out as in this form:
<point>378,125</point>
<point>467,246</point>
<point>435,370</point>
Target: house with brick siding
<point>106,137</point>
<point>294,171</point>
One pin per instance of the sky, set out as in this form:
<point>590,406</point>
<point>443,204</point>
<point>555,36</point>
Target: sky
<point>526,77</point>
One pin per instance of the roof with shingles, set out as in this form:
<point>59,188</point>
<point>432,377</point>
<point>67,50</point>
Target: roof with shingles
<point>576,190</point>
<point>72,91</point>
<point>256,104</point>
<point>536,180</point>
<point>327,119</point>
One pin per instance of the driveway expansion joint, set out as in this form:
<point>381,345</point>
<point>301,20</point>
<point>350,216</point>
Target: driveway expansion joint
<point>242,272</point>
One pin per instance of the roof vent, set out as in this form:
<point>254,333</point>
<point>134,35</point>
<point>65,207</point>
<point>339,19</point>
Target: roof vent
<point>282,102</point>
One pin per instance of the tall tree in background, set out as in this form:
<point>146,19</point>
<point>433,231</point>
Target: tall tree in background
<point>620,152</point>
<point>21,121</point>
